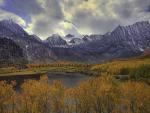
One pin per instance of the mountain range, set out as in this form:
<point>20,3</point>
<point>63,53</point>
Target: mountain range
<point>122,42</point>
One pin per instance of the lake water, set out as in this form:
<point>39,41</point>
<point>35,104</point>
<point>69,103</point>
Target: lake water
<point>69,79</point>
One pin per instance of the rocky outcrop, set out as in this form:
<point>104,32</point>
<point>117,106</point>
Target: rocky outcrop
<point>136,36</point>
<point>55,41</point>
<point>11,54</point>
<point>36,51</point>
<point>122,42</point>
<point>8,28</point>
<point>76,41</point>
<point>69,36</point>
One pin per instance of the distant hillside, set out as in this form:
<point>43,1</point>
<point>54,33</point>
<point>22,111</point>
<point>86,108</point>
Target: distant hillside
<point>11,54</point>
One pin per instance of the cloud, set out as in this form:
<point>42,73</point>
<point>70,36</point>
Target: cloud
<point>45,17</point>
<point>46,23</point>
<point>100,16</point>
<point>1,2</point>
<point>147,9</point>
<point>20,7</point>
<point>8,15</point>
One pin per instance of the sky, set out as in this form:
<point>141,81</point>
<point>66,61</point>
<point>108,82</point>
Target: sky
<point>77,17</point>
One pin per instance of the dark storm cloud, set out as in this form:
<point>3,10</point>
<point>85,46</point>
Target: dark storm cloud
<point>42,15</point>
<point>102,26</point>
<point>54,9</point>
<point>96,24</point>
<point>124,10</point>
<point>23,6</point>
<point>42,28</point>
<point>123,13</point>
<point>45,17</point>
<point>147,9</point>
<point>143,5</point>
<point>46,23</point>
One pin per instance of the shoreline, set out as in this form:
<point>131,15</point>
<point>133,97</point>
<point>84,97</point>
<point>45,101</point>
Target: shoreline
<point>21,74</point>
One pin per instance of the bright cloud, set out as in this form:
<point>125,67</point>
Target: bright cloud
<point>45,17</point>
<point>8,15</point>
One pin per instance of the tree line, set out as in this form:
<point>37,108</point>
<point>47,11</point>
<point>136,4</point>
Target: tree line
<point>97,95</point>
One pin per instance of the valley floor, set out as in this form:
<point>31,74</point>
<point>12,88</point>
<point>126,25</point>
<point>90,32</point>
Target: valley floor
<point>107,92</point>
<point>132,68</point>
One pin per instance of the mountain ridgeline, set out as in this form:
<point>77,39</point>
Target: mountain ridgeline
<point>34,49</point>
<point>122,42</point>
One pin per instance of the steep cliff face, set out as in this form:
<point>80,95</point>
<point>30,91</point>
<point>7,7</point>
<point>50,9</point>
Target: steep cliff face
<point>36,51</point>
<point>136,36</point>
<point>11,54</point>
<point>8,28</point>
<point>122,42</point>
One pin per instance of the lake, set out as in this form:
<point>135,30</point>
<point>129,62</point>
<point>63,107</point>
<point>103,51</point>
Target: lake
<point>69,79</point>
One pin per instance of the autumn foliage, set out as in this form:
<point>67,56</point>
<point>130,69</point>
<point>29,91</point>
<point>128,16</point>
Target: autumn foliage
<point>124,67</point>
<point>98,95</point>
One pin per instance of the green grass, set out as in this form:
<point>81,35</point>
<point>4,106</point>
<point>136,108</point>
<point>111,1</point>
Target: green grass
<point>44,69</point>
<point>142,71</point>
<point>22,72</point>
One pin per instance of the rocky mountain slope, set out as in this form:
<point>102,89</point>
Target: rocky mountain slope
<point>122,42</point>
<point>36,51</point>
<point>69,37</point>
<point>55,41</point>
<point>11,54</point>
<point>76,41</point>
